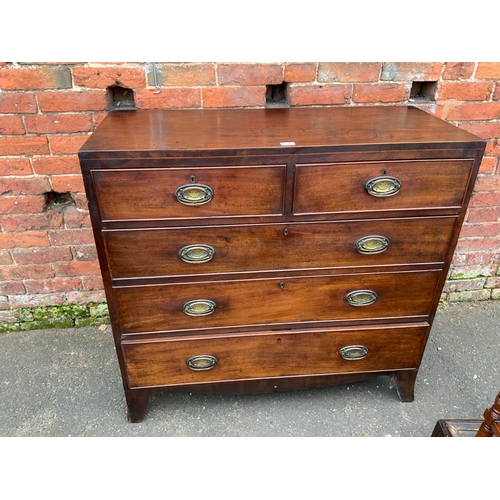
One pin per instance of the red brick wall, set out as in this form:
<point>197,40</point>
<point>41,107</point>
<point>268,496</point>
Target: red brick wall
<point>47,110</point>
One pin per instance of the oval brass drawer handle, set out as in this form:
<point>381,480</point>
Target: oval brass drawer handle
<point>372,244</point>
<point>353,352</point>
<point>201,362</point>
<point>384,186</point>
<point>360,298</point>
<point>196,254</point>
<point>194,194</point>
<point>199,307</point>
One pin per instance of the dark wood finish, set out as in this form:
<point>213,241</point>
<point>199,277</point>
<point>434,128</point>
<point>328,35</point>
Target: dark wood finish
<point>261,355</point>
<point>491,423</point>
<point>267,247</point>
<point>289,203</point>
<point>273,301</point>
<point>424,184</point>
<point>488,427</point>
<point>130,194</point>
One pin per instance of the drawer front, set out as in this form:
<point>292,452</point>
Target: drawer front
<point>246,248</point>
<point>186,306</point>
<point>335,187</point>
<point>152,193</point>
<point>268,355</point>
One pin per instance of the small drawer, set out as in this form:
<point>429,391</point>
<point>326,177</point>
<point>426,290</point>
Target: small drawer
<point>266,247</point>
<point>173,193</point>
<point>165,362</point>
<point>377,186</point>
<point>224,304</point>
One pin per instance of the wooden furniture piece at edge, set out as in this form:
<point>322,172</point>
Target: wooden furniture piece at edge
<point>260,250</point>
<point>488,427</point>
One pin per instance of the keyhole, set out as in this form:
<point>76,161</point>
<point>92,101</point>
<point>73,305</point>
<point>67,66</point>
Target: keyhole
<point>385,171</point>
<point>278,340</point>
<point>192,179</point>
<point>282,284</point>
<point>285,231</point>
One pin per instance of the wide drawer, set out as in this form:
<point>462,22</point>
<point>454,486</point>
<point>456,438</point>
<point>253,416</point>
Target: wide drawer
<point>271,354</point>
<point>186,306</point>
<point>264,247</point>
<point>154,193</point>
<point>395,185</point>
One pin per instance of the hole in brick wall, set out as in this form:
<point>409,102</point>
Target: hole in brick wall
<point>423,91</point>
<point>277,96</point>
<point>55,201</point>
<point>121,98</point>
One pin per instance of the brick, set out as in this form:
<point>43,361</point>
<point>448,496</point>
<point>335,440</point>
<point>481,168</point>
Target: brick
<point>60,123</point>
<point>411,71</point>
<point>5,258</point>
<point>464,91</point>
<point>488,71</point>
<point>473,230</point>
<point>85,297</point>
<point>38,271</point>
<point>71,237</point>
<point>492,283</point>
<point>183,75</point>
<point>469,296</point>
<point>76,219</point>
<point>24,145</point>
<point>22,204</point>
<point>65,183</point>
<point>12,288</point>
<point>487,183</point>
<point>478,244</point>
<point>17,102</point>
<point>90,100</point>
<point>11,124</point>
<point>48,255</point>
<point>300,72</point>
<point>31,222</point>
<point>101,78</point>
<point>37,300</point>
<point>348,72</point>
<point>99,117</point>
<point>84,252</point>
<point>66,144</point>
<point>492,148</point>
<point>381,92</point>
<point>220,97</point>
<point>35,78</point>
<point>432,108</point>
<point>77,268</point>
<point>458,70</point>
<point>15,186</point>
<point>249,74</point>
<point>496,95</point>
<point>488,165</point>
<point>50,165</point>
<point>462,285</point>
<point>310,95</point>
<point>474,258</point>
<point>486,199</point>
<point>15,166</point>
<point>80,201</point>
<point>489,214</point>
<point>92,283</point>
<point>168,98</point>
<point>485,130</point>
<point>469,272</point>
<point>472,111</point>
<point>53,285</point>
<point>25,240</point>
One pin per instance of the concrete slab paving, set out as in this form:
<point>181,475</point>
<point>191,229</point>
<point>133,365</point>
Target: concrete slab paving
<point>66,382</point>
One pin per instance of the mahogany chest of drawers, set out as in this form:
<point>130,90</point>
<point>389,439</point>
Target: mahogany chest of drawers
<point>259,250</point>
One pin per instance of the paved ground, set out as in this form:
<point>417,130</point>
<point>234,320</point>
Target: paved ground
<point>67,383</point>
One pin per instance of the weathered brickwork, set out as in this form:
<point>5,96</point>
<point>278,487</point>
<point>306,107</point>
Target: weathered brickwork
<point>47,111</point>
